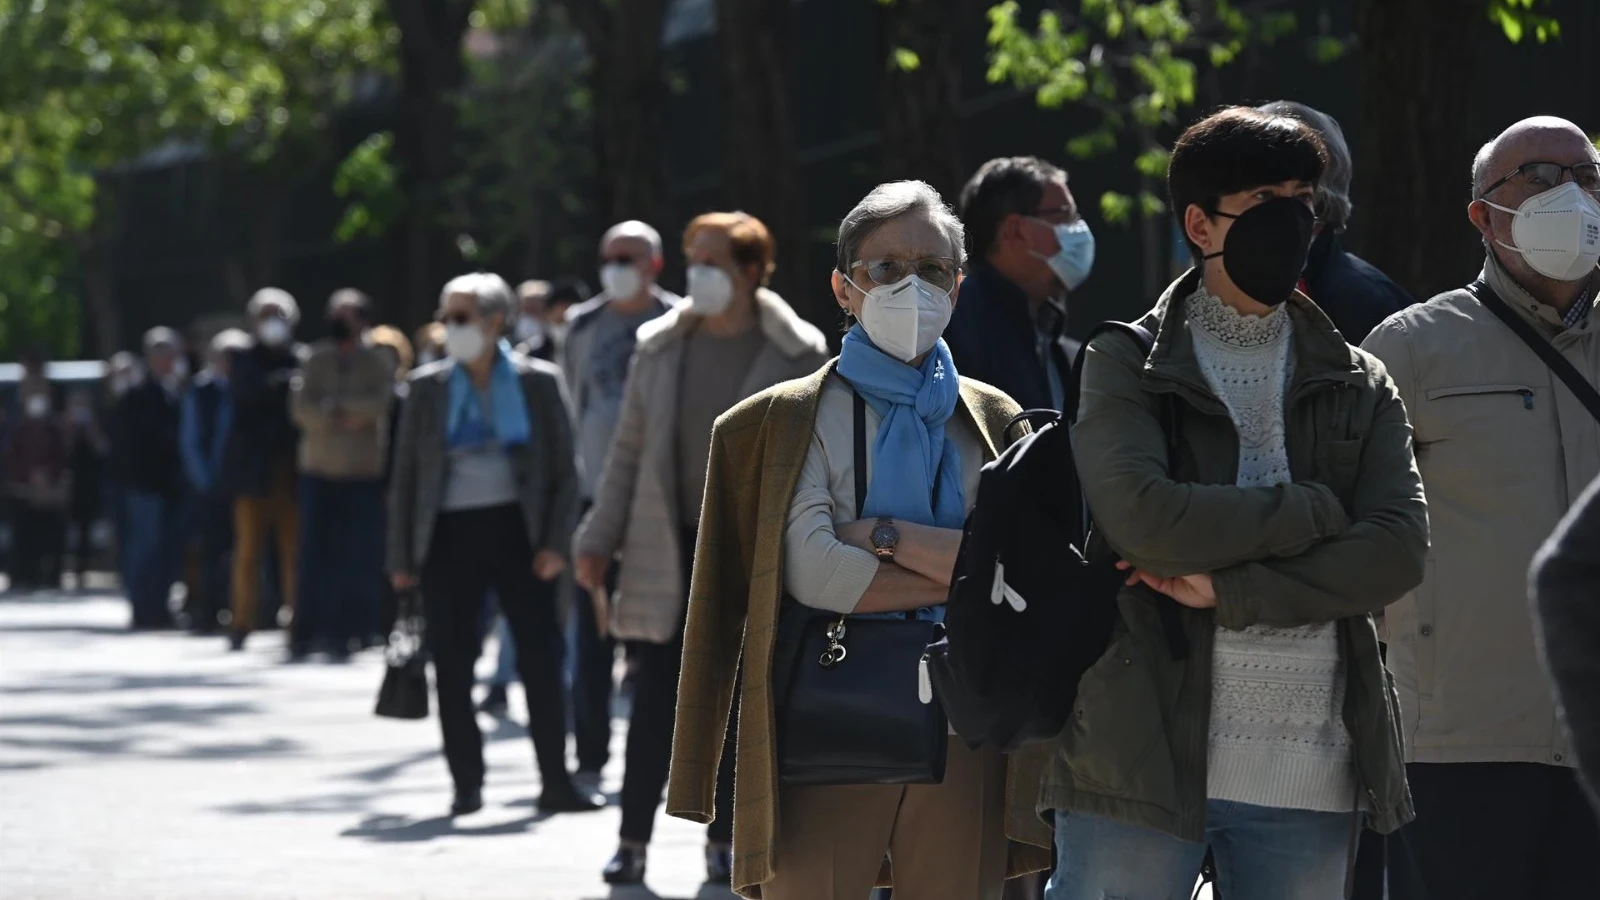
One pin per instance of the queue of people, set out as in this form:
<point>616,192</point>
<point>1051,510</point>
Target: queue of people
<point>1324,675</point>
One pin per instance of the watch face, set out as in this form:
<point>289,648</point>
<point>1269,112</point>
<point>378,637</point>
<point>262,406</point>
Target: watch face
<point>885,536</point>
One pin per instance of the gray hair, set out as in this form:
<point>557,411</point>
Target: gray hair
<point>229,340</point>
<point>162,338</point>
<point>633,228</point>
<point>891,201</point>
<point>274,298</point>
<point>494,295</point>
<point>1333,192</point>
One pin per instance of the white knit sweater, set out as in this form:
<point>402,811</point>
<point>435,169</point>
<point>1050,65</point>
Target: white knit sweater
<point>1277,735</point>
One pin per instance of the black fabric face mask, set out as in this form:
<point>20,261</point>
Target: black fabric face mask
<point>339,328</point>
<point>1266,249</point>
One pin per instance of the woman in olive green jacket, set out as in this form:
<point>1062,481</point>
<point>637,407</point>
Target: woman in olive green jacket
<point>1242,702</point>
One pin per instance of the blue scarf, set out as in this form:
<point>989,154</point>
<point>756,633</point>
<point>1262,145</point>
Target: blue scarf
<point>465,427</point>
<point>911,453</point>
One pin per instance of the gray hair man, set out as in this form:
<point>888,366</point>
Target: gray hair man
<point>1505,447</point>
<point>600,340</point>
<point>1355,294</point>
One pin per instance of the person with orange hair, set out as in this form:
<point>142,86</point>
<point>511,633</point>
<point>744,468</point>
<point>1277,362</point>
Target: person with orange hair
<point>730,339</point>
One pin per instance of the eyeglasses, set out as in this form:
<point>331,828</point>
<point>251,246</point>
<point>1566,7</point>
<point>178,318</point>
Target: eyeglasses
<point>619,260</point>
<point>1546,175</point>
<point>459,318</point>
<point>939,271</point>
<point>1066,212</point>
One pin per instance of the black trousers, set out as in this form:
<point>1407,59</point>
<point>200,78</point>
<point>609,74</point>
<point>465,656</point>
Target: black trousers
<point>649,751</point>
<point>594,660</point>
<point>473,551</point>
<point>1495,831</point>
<point>38,535</point>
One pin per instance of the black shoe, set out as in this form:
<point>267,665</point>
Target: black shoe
<point>627,867</point>
<point>467,802</point>
<point>569,800</point>
<point>494,702</point>
<point>719,864</point>
<point>297,655</point>
<point>235,642</point>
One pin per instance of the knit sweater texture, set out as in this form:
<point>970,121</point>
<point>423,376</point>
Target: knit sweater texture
<point>1277,735</point>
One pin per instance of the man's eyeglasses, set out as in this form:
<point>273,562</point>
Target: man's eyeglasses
<point>619,260</point>
<point>1066,213</point>
<point>459,318</point>
<point>1546,175</point>
<point>939,271</point>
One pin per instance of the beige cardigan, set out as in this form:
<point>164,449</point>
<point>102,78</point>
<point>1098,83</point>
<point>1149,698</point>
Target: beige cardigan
<point>636,499</point>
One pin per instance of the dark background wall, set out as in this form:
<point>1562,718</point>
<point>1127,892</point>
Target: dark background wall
<point>188,252</point>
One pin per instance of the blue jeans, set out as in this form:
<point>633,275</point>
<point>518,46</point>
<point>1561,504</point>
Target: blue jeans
<point>1262,853</point>
<point>341,562</point>
<point>153,549</point>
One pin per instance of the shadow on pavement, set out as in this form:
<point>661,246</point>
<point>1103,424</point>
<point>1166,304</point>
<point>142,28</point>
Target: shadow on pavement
<point>100,683</point>
<point>640,892</point>
<point>404,829</point>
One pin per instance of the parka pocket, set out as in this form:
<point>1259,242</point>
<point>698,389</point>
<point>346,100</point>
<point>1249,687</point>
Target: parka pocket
<point>1117,728</point>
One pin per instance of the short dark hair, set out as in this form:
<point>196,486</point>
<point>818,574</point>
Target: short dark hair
<point>570,291</point>
<point>1237,149</point>
<point>1002,187</point>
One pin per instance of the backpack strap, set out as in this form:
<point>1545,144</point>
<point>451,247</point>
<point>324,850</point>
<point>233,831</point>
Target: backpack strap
<point>1171,616</point>
<point>1560,365</point>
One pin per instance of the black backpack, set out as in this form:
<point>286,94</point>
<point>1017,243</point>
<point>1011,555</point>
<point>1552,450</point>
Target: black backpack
<point>1034,593</point>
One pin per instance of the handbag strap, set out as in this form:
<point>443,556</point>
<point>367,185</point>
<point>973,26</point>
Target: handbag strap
<point>1560,365</point>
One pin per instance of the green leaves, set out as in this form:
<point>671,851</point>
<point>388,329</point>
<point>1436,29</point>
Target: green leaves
<point>367,179</point>
<point>1518,19</point>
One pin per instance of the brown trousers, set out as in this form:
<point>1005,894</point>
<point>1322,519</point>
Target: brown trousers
<point>944,841</point>
<point>278,513</point>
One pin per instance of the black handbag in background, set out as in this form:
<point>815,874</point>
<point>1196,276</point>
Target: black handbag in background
<point>853,698</point>
<point>404,692</point>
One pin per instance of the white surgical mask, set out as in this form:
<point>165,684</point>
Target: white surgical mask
<point>38,406</point>
<point>529,329</point>
<point>274,332</point>
<point>464,343</point>
<point>1557,232</point>
<point>180,368</point>
<point>1073,261</point>
<point>710,290</point>
<point>904,319</point>
<point>620,280</point>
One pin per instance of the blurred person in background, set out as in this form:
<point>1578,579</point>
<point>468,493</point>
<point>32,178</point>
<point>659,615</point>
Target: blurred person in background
<point>124,372</point>
<point>600,341</point>
<point>35,378</point>
<point>86,458</point>
<point>429,343</point>
<point>530,333</point>
<point>202,441</point>
<point>733,338</point>
<point>154,480</point>
<point>259,464</point>
<point>565,295</point>
<point>484,495</point>
<point>392,344</point>
<point>1030,249</point>
<point>38,478</point>
<point>341,402</point>
<point>1353,292</point>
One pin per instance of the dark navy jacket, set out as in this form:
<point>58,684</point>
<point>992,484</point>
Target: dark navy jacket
<point>149,439</point>
<point>1354,294</point>
<point>261,437</point>
<point>993,339</point>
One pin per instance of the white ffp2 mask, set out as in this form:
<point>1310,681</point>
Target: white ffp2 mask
<point>710,290</point>
<point>904,319</point>
<point>1557,232</point>
<point>620,280</point>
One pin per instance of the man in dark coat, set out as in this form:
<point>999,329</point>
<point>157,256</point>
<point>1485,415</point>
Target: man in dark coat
<point>1029,249</point>
<point>153,473</point>
<point>1566,598</point>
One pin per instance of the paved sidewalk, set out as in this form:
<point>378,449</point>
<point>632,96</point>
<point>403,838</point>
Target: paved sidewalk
<point>160,767</point>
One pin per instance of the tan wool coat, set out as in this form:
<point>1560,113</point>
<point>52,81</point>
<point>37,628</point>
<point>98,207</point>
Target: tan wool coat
<point>757,451</point>
<point>636,501</point>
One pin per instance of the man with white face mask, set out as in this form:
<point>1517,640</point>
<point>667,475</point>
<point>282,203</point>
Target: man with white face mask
<point>732,338</point>
<point>1030,249</point>
<point>600,341</point>
<point>1505,446</point>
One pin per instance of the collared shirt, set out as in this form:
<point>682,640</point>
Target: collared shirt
<point>1579,311</point>
<point>1048,324</point>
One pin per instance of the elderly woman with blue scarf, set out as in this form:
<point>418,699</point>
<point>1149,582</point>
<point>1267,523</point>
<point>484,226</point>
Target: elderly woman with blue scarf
<point>484,495</point>
<point>779,520</point>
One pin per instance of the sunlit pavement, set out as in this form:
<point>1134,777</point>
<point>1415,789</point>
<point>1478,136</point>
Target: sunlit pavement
<point>160,766</point>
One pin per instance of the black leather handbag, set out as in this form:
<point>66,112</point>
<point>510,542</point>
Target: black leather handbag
<point>404,692</point>
<point>854,702</point>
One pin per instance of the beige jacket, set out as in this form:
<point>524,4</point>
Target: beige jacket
<point>359,388</point>
<point>636,499</point>
<point>1504,450</point>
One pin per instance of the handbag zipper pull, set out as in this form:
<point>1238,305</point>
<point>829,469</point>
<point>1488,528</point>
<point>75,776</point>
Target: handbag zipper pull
<point>924,682</point>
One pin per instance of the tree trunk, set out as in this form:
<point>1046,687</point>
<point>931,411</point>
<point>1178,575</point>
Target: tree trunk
<point>629,95</point>
<point>922,105</point>
<point>99,254</point>
<point>1422,76</point>
<point>432,74</point>
<point>760,172</point>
